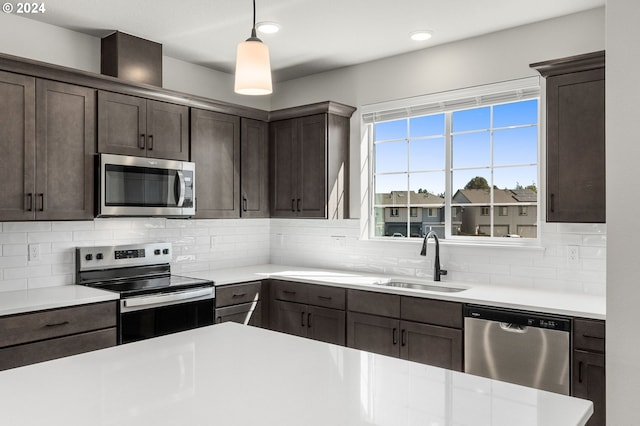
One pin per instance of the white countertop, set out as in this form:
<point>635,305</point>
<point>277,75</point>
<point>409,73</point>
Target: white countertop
<point>229,374</point>
<point>560,303</point>
<point>37,299</point>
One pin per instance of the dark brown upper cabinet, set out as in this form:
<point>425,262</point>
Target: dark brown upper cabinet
<point>47,144</point>
<point>254,168</point>
<point>309,148</point>
<point>215,149</point>
<point>575,117</point>
<point>129,125</point>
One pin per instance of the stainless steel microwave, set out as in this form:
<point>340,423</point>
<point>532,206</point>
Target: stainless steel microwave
<point>139,186</point>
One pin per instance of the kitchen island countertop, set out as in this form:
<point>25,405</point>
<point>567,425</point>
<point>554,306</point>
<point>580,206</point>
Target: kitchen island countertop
<point>530,299</point>
<point>229,374</point>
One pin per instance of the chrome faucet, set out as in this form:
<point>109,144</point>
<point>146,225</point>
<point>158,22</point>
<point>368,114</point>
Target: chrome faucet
<point>437,270</point>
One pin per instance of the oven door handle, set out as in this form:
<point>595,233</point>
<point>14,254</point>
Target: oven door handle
<point>171,298</point>
<point>182,188</point>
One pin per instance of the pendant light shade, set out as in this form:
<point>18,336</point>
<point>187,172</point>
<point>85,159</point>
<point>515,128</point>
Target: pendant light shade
<point>253,68</point>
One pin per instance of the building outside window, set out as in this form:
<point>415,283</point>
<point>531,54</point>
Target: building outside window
<point>463,160</point>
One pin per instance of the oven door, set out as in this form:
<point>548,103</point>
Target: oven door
<point>154,315</point>
<point>136,186</point>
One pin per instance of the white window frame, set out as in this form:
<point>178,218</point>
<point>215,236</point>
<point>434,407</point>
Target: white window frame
<point>474,97</point>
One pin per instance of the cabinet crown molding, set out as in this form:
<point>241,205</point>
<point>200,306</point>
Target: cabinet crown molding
<point>570,64</point>
<point>328,107</point>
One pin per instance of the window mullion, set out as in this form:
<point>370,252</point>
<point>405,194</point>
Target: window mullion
<point>448,184</point>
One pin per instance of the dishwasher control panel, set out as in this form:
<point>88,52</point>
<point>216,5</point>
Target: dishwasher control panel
<point>522,318</point>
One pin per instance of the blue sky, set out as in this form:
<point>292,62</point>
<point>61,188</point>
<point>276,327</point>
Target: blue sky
<point>470,148</point>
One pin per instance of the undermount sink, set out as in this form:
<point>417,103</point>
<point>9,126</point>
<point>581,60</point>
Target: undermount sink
<point>422,286</point>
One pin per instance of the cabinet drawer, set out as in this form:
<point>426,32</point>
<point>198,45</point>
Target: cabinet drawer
<point>246,313</point>
<point>370,302</point>
<point>328,297</point>
<point>238,293</point>
<point>438,312</point>
<point>589,335</point>
<point>290,291</point>
<point>46,350</point>
<point>42,325</point>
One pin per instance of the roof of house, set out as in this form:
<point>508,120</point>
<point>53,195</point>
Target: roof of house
<point>482,196</point>
<point>399,198</point>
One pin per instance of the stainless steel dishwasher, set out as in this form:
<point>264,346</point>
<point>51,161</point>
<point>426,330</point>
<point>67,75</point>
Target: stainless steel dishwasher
<point>518,347</point>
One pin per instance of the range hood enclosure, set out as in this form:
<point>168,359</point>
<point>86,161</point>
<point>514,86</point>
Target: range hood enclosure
<point>132,58</point>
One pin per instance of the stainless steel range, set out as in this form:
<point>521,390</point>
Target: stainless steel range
<point>152,301</point>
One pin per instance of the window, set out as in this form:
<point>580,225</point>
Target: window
<point>395,212</point>
<point>414,212</point>
<point>465,160</point>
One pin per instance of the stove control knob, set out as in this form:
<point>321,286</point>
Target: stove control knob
<point>165,251</point>
<point>156,252</point>
<point>89,257</point>
<point>99,256</point>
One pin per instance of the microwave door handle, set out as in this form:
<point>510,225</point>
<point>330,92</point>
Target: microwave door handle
<point>182,187</point>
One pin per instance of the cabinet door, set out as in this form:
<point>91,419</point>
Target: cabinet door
<point>431,344</point>
<point>327,325</point>
<point>65,149</point>
<point>576,147</point>
<point>589,382</point>
<point>167,131</point>
<point>289,317</point>
<point>17,146</point>
<point>284,169</point>
<point>245,313</point>
<point>45,350</point>
<point>373,333</point>
<point>312,176</point>
<point>215,148</point>
<point>254,169</point>
<point>122,124</point>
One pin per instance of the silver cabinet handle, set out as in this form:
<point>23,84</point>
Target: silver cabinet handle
<point>183,188</point>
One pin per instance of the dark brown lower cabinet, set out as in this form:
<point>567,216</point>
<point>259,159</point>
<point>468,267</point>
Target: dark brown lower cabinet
<point>424,343</point>
<point>589,383</point>
<point>372,333</point>
<point>31,353</point>
<point>588,373</point>
<point>241,303</point>
<point>423,330</point>
<point>44,335</point>
<point>244,313</point>
<point>315,322</point>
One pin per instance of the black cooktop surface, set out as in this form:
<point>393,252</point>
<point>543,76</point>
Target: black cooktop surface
<point>152,285</point>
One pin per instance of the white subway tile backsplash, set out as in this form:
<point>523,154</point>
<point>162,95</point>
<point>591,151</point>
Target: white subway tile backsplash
<point>201,245</point>
<point>26,227</point>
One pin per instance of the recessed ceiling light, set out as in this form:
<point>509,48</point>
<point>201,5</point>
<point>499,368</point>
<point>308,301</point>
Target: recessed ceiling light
<point>421,35</point>
<point>267,27</point>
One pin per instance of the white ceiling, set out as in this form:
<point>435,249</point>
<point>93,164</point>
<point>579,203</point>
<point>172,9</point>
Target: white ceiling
<point>316,35</point>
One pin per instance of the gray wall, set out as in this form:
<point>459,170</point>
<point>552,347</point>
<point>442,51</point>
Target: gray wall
<point>623,268</point>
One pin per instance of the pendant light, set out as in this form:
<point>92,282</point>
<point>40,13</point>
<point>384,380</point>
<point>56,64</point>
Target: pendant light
<point>253,70</point>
